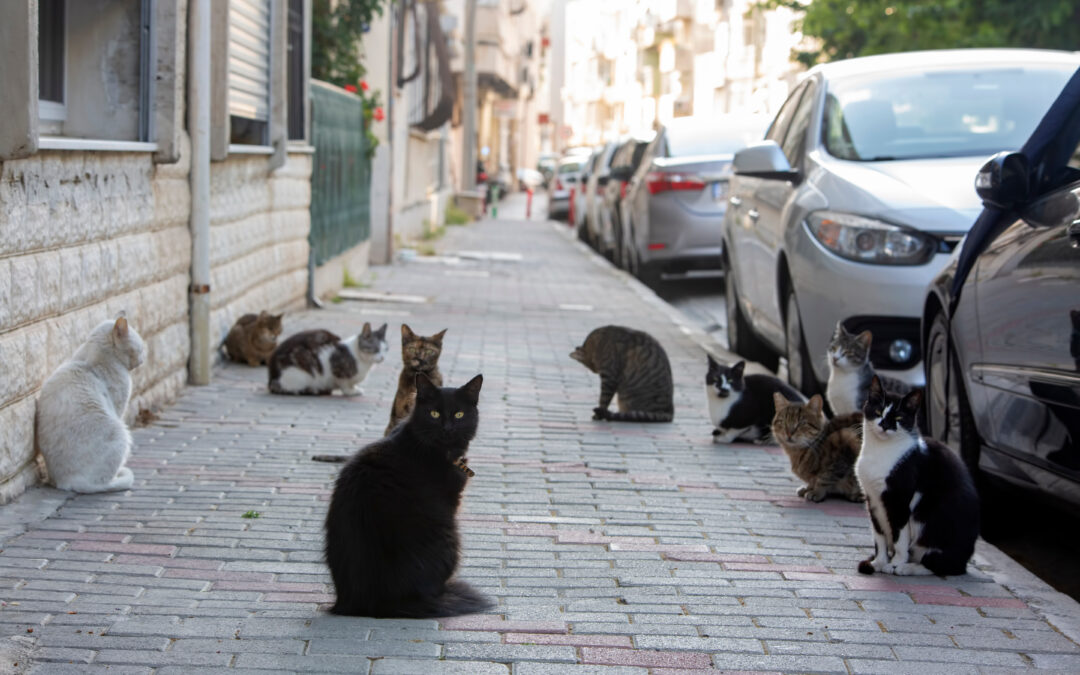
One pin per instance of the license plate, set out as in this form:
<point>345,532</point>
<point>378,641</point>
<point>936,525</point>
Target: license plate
<point>719,191</point>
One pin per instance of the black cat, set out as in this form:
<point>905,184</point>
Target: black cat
<point>924,510</point>
<point>741,407</point>
<point>392,542</point>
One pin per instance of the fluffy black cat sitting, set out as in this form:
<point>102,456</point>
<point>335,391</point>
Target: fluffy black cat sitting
<point>924,510</point>
<point>741,407</point>
<point>392,541</point>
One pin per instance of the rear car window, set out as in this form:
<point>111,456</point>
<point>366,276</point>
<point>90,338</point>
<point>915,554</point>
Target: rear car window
<point>705,140</point>
<point>572,167</point>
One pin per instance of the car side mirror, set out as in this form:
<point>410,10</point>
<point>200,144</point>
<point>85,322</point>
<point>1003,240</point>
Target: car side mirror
<point>620,172</point>
<point>602,180</point>
<point>764,159</point>
<point>1003,181</point>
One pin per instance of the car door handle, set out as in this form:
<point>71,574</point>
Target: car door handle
<point>735,201</point>
<point>754,215</point>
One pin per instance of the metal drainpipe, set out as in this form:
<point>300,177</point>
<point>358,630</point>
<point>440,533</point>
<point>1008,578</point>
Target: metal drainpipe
<point>198,100</point>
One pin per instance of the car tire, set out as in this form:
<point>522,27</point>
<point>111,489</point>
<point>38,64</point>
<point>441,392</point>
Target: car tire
<point>800,371</point>
<point>948,412</point>
<point>741,338</point>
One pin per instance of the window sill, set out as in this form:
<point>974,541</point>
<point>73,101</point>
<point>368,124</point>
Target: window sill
<point>244,149</point>
<point>300,148</point>
<point>93,145</point>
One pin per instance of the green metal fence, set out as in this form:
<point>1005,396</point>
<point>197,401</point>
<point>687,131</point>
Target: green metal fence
<point>341,175</point>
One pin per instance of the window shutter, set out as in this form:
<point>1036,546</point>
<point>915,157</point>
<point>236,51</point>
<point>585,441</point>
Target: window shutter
<point>249,59</point>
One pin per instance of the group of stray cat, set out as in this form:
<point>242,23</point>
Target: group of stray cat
<point>921,499</point>
<point>392,543</point>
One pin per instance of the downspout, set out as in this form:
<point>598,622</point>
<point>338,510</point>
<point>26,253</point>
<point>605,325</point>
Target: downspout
<point>198,96</point>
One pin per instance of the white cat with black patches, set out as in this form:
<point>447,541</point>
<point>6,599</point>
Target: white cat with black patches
<point>923,507</point>
<point>850,371</point>
<point>741,407</point>
<point>316,362</point>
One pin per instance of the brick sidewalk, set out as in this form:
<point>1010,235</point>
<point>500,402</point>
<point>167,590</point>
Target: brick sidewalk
<point>618,548</point>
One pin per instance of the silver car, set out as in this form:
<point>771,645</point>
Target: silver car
<point>675,203</point>
<point>861,188</point>
<point>567,177</point>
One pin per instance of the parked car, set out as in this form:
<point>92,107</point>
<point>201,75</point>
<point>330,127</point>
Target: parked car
<point>567,176</point>
<point>857,195</point>
<point>591,232</point>
<point>1001,323</point>
<point>579,192</point>
<point>675,204</point>
<point>546,166</point>
<point>624,163</point>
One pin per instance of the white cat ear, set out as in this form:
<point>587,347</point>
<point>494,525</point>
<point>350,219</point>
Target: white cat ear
<point>120,328</point>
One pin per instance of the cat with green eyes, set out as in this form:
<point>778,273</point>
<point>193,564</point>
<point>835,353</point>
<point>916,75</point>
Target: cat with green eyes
<point>392,542</point>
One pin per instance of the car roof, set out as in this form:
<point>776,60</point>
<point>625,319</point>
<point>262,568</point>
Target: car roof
<point>944,58</point>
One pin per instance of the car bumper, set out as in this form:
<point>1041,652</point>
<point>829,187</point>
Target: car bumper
<point>885,299</point>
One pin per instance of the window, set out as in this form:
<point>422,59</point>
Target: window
<point>783,118</point>
<point>51,62</point>
<point>297,72</point>
<point>795,141</point>
<point>249,72</point>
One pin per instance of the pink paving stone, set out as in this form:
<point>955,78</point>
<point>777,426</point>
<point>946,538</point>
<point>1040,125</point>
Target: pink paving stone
<point>644,657</point>
<point>219,575</point>
<point>967,601</point>
<point>716,557</point>
<point>661,548</point>
<point>529,530</point>
<point>257,585</point>
<point>298,597</point>
<point>110,546</point>
<point>162,561</point>
<point>75,536</point>
<point>497,623</point>
<point>702,490</point>
<point>569,640</point>
<point>772,450</point>
<point>773,567</point>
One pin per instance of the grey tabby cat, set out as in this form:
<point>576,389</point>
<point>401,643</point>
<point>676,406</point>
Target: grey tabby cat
<point>633,365</point>
<point>850,372</point>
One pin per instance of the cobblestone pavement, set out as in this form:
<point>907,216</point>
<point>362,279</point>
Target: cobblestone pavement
<point>611,548</point>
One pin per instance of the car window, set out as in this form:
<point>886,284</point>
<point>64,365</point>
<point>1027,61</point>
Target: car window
<point>638,153</point>
<point>779,127</point>
<point>569,167</point>
<point>1061,164</point>
<point>938,112</point>
<point>709,139</point>
<point>795,140</point>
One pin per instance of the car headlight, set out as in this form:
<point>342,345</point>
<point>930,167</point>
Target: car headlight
<point>868,240</point>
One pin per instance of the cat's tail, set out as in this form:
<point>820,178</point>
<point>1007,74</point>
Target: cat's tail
<point>333,459</point>
<point>458,598</point>
<point>639,416</point>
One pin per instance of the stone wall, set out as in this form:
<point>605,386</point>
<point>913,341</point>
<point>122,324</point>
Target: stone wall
<point>84,236</point>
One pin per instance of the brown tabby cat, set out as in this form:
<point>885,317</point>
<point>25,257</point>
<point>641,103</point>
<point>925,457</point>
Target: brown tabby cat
<point>419,354</point>
<point>253,338</point>
<point>633,365</point>
<point>822,452</point>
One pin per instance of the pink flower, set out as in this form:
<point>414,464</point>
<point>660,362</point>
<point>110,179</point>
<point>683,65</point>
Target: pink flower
<point>379,116</point>
<point>351,88</point>
<point>363,85</point>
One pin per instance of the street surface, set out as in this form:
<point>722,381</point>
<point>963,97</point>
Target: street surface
<point>611,548</point>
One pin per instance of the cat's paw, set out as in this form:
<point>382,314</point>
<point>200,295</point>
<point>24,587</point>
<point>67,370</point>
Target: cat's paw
<point>867,566</point>
<point>815,495</point>
<point>908,569</point>
<point>599,413</point>
<point>801,491</point>
<point>353,391</point>
<point>856,497</point>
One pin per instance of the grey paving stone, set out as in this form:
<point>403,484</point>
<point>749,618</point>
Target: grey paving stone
<point>395,666</point>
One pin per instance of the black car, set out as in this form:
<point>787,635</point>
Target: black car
<point>1001,324</point>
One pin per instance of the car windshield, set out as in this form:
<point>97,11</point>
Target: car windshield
<point>940,113</point>
<point>569,167</point>
<point>716,139</point>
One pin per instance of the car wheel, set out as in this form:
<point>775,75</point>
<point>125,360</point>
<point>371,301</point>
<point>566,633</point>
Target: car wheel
<point>741,339</point>
<point>583,234</point>
<point>800,372</point>
<point>948,413</point>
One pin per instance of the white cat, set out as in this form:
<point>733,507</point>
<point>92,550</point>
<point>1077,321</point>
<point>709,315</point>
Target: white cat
<point>316,362</point>
<point>80,413</point>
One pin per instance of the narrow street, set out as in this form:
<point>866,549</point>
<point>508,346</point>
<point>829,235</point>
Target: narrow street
<point>645,548</point>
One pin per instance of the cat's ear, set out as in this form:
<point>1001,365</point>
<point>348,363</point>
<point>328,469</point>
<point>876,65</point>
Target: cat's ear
<point>471,390</point>
<point>815,404</point>
<point>876,390</point>
<point>779,402</point>
<point>840,330</point>
<point>1074,316</point>
<point>381,333</point>
<point>865,337</point>
<point>713,365</point>
<point>737,370</point>
<point>912,401</point>
<point>437,337</point>
<point>425,388</point>
<point>365,332</point>
<point>120,328</point>
<point>578,354</point>
<point>406,334</point>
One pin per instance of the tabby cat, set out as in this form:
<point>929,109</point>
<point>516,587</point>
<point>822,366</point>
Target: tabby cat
<point>253,338</point>
<point>633,365</point>
<point>419,354</point>
<point>822,451</point>
<point>316,362</point>
<point>392,542</point>
<point>741,406</point>
<point>922,502</point>
<point>850,371</point>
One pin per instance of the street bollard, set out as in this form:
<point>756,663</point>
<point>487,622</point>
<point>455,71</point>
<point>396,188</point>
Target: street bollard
<point>528,203</point>
<point>570,213</point>
<point>494,201</point>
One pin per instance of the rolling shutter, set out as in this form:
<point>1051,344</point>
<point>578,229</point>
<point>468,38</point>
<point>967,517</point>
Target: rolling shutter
<point>249,59</point>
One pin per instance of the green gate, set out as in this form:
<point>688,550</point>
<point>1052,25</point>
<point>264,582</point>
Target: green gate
<point>341,174</point>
